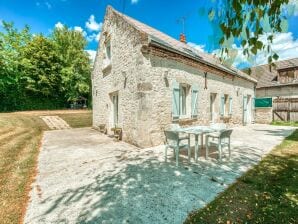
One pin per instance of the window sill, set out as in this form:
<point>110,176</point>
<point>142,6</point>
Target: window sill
<point>226,117</point>
<point>185,120</point>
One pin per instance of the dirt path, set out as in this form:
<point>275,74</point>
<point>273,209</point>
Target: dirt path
<point>55,122</point>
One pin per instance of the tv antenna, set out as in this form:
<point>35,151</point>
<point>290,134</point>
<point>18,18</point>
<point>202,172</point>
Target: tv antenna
<point>182,21</point>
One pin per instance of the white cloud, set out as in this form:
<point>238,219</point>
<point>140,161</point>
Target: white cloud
<point>97,37</point>
<point>59,25</point>
<point>198,47</point>
<point>92,54</point>
<point>93,37</point>
<point>48,5</point>
<point>134,1</point>
<point>294,5</point>
<point>92,25</point>
<point>79,29</point>
<point>43,4</point>
<point>283,44</point>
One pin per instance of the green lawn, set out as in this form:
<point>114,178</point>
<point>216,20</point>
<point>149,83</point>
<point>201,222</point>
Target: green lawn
<point>268,193</point>
<point>78,120</point>
<point>20,136</point>
<point>285,123</point>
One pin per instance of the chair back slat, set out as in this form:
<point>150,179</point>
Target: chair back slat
<point>171,135</point>
<point>226,133</point>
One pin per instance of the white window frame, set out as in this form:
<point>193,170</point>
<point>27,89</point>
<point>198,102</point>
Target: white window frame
<point>226,105</point>
<point>108,49</point>
<point>183,101</point>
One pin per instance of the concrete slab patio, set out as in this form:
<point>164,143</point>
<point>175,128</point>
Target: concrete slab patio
<point>86,177</point>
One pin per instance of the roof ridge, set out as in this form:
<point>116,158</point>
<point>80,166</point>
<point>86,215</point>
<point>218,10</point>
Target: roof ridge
<point>180,46</point>
<point>185,44</point>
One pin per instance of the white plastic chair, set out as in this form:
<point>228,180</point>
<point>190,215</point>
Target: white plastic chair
<point>173,141</point>
<point>221,140</point>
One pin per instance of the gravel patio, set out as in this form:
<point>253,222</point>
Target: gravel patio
<point>86,177</point>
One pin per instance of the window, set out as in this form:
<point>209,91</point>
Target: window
<point>287,76</point>
<point>108,49</point>
<point>183,100</point>
<point>226,105</point>
<point>107,55</point>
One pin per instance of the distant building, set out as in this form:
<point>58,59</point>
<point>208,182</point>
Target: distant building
<point>281,81</point>
<point>279,89</point>
<point>143,80</point>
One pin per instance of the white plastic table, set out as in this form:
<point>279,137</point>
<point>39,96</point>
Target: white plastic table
<point>196,131</point>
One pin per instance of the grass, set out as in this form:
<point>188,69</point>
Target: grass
<point>20,137</point>
<point>285,123</point>
<point>77,120</point>
<point>268,193</point>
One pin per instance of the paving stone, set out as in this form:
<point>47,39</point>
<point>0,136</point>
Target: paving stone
<point>86,177</point>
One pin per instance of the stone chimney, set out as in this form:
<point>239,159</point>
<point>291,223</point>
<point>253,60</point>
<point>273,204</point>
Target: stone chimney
<point>182,38</point>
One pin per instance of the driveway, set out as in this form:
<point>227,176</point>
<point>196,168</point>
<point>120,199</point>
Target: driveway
<point>86,177</point>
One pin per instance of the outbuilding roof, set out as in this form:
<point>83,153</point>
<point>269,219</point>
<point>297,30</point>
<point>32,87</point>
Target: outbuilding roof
<point>163,40</point>
<point>267,78</point>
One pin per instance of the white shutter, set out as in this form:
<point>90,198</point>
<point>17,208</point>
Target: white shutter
<point>175,100</point>
<point>194,101</point>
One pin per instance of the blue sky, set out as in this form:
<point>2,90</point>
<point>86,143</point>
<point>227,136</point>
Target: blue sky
<point>87,16</point>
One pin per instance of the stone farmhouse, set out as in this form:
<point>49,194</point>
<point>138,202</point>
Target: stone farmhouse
<point>143,80</point>
<point>281,81</point>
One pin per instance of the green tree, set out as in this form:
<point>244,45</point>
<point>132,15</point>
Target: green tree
<point>42,72</point>
<point>76,71</point>
<point>244,22</point>
<point>42,66</point>
<point>12,43</point>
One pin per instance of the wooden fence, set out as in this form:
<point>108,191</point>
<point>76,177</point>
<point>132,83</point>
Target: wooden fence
<point>285,109</point>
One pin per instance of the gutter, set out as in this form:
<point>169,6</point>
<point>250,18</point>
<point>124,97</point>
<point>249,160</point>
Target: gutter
<point>167,47</point>
<point>280,85</point>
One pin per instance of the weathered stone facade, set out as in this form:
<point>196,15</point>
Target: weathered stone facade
<point>143,79</point>
<point>263,115</point>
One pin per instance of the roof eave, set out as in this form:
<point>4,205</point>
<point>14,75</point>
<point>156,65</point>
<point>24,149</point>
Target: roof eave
<point>169,48</point>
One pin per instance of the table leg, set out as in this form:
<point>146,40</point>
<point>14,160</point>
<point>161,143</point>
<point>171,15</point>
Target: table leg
<point>196,147</point>
<point>189,151</point>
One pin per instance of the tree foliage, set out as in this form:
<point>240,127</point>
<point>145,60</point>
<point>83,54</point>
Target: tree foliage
<point>39,72</point>
<point>250,24</point>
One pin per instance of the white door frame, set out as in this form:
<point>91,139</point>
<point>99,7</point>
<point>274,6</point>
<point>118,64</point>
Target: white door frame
<point>115,109</point>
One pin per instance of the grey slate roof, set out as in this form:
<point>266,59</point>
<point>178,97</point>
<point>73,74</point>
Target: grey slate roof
<point>163,39</point>
<point>266,78</point>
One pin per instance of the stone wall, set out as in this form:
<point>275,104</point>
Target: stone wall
<point>263,115</point>
<point>143,82</point>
